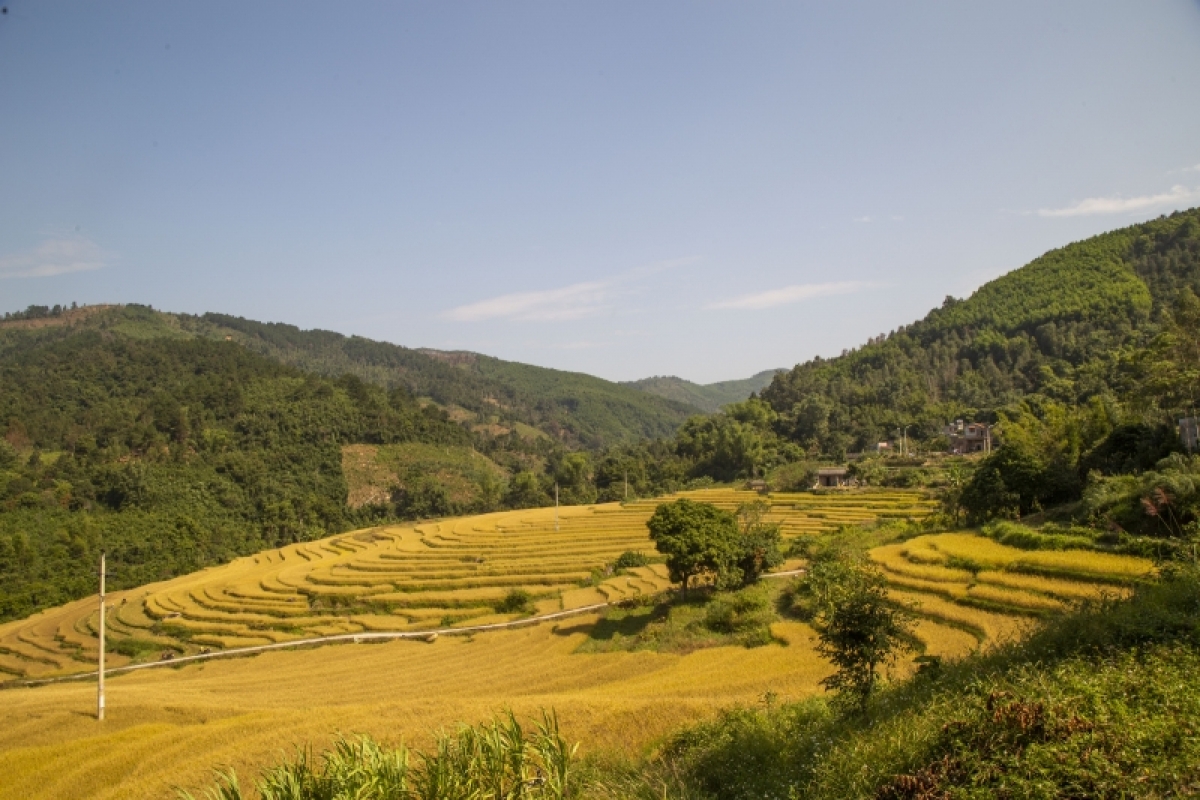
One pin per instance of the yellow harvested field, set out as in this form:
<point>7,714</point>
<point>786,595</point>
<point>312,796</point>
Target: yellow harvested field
<point>985,625</point>
<point>171,726</point>
<point>1086,564</point>
<point>1014,582</point>
<point>402,578</point>
<point>892,558</point>
<point>1053,587</point>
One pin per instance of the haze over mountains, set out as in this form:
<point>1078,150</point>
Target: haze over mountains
<point>707,397</point>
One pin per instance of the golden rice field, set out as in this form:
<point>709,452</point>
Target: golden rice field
<point>987,588</point>
<point>428,576</point>
<point>170,726</point>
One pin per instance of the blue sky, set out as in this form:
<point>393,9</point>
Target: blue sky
<point>621,188</point>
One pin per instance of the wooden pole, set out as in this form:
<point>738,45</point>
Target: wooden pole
<point>626,484</point>
<point>100,670</point>
<point>556,508</point>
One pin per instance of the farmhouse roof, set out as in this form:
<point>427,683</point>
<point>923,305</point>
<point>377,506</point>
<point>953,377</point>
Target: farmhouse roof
<point>832,471</point>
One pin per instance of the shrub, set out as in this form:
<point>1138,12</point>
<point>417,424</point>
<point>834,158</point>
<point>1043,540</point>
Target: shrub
<point>630,559</point>
<point>517,601</point>
<point>1023,538</point>
<point>746,614</point>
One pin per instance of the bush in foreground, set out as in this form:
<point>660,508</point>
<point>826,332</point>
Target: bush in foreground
<point>498,759</point>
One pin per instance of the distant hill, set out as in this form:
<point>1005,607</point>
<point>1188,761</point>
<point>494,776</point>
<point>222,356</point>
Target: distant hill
<point>491,394</point>
<point>707,397</point>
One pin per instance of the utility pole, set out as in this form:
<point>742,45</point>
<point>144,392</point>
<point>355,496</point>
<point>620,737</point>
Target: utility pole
<point>626,484</point>
<point>556,508</point>
<point>100,670</point>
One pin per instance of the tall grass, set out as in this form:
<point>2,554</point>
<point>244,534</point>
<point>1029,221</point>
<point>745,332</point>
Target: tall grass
<point>497,760</point>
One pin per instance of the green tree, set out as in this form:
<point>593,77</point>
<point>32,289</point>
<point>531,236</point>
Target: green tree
<point>759,542</point>
<point>696,538</point>
<point>1008,483</point>
<point>858,628</point>
<point>524,491</point>
<point>8,455</point>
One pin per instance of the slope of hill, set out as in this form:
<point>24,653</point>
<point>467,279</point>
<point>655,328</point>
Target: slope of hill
<point>1056,327</point>
<point>172,453</point>
<point>571,407</point>
<point>410,577</point>
<point>495,395</point>
<point>708,396</point>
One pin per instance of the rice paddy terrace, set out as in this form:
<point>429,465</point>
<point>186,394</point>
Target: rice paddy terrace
<point>171,727</point>
<point>436,575</point>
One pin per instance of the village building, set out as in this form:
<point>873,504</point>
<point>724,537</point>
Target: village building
<point>969,437</point>
<point>832,477</point>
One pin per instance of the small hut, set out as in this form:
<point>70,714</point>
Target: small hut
<point>832,477</point>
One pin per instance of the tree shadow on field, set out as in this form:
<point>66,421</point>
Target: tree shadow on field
<point>619,622</point>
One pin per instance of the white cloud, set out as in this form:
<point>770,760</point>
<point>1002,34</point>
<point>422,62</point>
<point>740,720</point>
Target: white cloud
<point>570,302</point>
<point>576,301</point>
<point>863,219</point>
<point>791,294</point>
<point>53,257</point>
<point>1178,195</point>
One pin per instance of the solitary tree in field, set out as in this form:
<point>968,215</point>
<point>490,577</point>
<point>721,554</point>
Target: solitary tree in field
<point>859,629</point>
<point>696,538</point>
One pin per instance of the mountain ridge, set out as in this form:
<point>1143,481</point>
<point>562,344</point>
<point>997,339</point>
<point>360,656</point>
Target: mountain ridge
<point>708,397</point>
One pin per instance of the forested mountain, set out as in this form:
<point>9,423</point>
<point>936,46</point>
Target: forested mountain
<point>1056,328</point>
<point>177,441</point>
<point>571,407</point>
<point>171,453</point>
<point>707,397</point>
<point>1085,357</point>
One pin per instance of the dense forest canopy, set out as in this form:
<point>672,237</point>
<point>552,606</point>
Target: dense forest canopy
<point>571,407</point>
<point>173,454</point>
<point>1057,327</point>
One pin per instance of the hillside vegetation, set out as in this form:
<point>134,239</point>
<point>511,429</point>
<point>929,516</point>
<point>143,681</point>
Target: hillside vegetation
<point>706,397</point>
<point>172,454</point>
<point>170,442</point>
<point>1055,328</point>
<point>571,407</point>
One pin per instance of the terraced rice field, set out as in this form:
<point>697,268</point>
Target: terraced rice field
<point>992,590</point>
<point>398,578</point>
<point>171,727</point>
